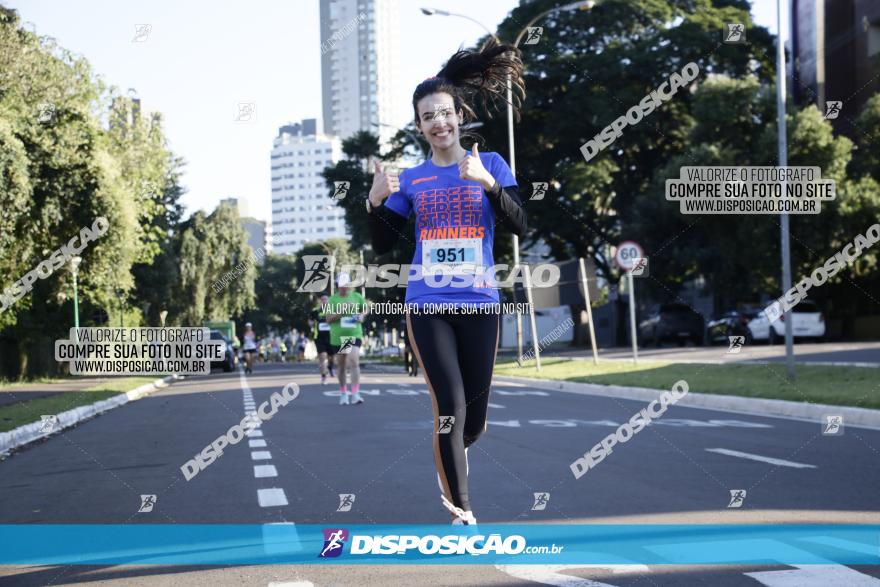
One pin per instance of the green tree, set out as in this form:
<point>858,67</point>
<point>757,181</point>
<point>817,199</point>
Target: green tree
<point>278,307</point>
<point>589,68</point>
<point>210,248</point>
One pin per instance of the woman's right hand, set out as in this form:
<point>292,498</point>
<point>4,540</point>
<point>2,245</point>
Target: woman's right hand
<point>384,184</point>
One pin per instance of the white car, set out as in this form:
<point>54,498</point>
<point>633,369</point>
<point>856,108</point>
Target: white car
<point>807,322</point>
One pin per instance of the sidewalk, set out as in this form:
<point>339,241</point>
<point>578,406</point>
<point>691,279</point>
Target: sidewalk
<point>17,393</point>
<point>853,354</point>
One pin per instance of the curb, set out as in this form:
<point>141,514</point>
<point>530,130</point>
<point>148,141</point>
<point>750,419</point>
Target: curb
<point>857,417</point>
<point>28,433</point>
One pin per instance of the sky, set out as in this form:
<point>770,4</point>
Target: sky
<point>197,60</point>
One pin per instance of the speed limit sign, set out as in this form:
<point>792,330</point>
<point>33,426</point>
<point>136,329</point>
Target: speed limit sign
<point>627,252</point>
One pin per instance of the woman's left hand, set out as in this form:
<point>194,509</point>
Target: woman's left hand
<point>472,168</point>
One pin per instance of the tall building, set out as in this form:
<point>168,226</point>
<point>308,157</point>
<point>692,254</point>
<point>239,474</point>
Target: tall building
<point>255,229</point>
<point>360,48</point>
<point>835,47</point>
<point>302,209</point>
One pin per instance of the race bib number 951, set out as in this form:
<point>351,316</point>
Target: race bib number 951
<point>452,254</point>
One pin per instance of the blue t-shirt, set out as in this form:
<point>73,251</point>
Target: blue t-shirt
<point>455,231</point>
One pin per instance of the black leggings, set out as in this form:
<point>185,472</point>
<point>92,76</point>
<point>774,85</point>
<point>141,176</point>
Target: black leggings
<point>457,354</point>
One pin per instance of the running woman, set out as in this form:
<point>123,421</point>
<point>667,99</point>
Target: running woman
<point>249,348</point>
<point>458,197</point>
<point>321,334</point>
<point>346,311</point>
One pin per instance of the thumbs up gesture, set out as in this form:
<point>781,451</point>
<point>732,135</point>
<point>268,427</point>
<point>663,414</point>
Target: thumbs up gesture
<point>384,184</point>
<point>472,168</point>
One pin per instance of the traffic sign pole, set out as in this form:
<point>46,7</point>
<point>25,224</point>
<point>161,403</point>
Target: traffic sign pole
<point>627,252</point>
<point>632,317</point>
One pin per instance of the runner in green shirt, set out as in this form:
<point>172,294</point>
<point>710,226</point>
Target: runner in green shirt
<point>346,312</point>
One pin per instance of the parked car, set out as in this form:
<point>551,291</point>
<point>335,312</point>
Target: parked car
<point>676,322</point>
<point>807,322</point>
<point>731,323</point>
<point>228,362</point>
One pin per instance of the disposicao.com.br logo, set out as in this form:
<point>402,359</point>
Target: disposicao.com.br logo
<point>449,544</point>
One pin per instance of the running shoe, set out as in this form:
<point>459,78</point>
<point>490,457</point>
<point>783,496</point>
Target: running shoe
<point>461,517</point>
<point>357,399</point>
<point>323,380</point>
<point>343,399</point>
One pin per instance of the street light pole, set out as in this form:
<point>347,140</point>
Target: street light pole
<point>783,162</point>
<point>74,269</point>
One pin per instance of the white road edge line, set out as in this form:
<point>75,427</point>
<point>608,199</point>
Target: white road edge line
<point>752,457</point>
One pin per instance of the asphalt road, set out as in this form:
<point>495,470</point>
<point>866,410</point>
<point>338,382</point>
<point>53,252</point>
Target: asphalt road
<point>678,470</point>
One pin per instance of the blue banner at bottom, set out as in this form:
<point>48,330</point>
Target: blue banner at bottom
<point>227,544</point>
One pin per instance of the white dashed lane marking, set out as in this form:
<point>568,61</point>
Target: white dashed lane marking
<point>261,471</point>
<point>272,497</point>
<point>267,497</point>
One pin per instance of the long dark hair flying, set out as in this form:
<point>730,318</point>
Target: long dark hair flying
<point>479,75</point>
